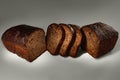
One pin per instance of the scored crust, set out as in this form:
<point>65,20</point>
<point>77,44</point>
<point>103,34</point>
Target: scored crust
<point>54,38</point>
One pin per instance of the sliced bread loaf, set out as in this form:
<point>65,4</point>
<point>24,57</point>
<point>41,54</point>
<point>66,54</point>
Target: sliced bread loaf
<point>98,39</point>
<point>26,41</point>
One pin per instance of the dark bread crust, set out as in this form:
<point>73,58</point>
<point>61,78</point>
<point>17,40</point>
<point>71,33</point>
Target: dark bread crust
<point>76,41</point>
<point>55,37</point>
<point>19,33</point>
<point>66,43</point>
<point>16,39</point>
<point>98,39</point>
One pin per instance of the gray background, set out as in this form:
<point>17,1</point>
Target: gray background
<point>41,13</point>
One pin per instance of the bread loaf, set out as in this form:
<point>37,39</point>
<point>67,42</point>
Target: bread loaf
<point>98,39</point>
<point>26,41</point>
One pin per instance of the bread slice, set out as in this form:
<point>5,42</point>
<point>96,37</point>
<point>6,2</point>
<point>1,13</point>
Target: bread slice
<point>55,37</point>
<point>26,41</point>
<point>76,41</point>
<point>98,39</point>
<point>67,40</point>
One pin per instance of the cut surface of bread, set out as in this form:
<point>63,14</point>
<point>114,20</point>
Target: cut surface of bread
<point>76,41</point>
<point>26,41</point>
<point>67,40</point>
<point>54,38</point>
<point>98,39</point>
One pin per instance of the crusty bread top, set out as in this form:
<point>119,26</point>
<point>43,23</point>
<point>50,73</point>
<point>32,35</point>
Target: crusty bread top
<point>102,30</point>
<point>19,33</point>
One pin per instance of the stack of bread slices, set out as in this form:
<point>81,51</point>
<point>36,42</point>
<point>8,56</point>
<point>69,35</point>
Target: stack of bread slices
<point>63,39</point>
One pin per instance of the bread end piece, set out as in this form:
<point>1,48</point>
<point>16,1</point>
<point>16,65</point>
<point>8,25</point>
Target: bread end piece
<point>98,39</point>
<point>26,41</point>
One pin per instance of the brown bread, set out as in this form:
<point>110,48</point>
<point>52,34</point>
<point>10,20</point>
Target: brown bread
<point>26,41</point>
<point>30,42</point>
<point>67,40</point>
<point>76,41</point>
<point>54,38</point>
<point>98,39</point>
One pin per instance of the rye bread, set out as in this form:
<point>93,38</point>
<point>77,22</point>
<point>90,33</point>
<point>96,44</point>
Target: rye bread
<point>54,38</point>
<point>76,40</point>
<point>66,43</point>
<point>26,41</point>
<point>98,39</point>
